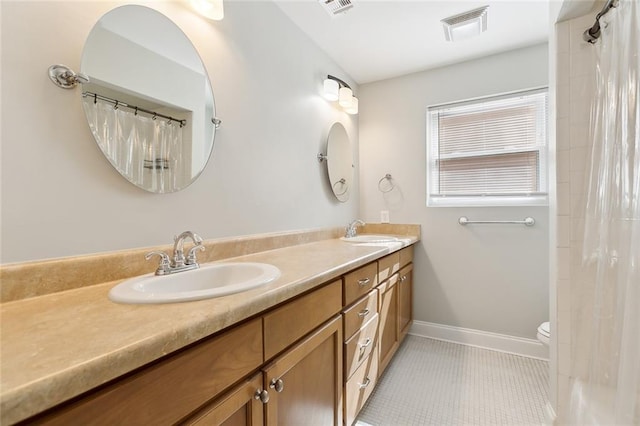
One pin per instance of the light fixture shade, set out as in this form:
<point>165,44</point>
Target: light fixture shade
<point>346,97</point>
<point>465,25</point>
<point>331,90</point>
<point>353,109</point>
<point>212,9</point>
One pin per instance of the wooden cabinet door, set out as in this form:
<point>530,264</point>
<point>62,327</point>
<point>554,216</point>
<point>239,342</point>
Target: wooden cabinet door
<point>388,327</point>
<point>405,291</point>
<point>239,407</point>
<point>305,382</point>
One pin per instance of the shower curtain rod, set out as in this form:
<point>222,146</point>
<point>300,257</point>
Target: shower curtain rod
<point>118,103</point>
<point>591,35</point>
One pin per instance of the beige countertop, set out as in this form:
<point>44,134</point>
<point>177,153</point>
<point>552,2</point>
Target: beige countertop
<point>57,346</point>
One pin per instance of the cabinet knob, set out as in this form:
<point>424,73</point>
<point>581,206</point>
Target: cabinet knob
<point>262,396</point>
<point>403,278</point>
<point>277,384</point>
<point>364,282</point>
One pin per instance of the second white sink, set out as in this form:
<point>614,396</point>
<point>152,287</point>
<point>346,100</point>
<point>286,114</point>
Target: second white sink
<point>213,280</point>
<point>370,238</point>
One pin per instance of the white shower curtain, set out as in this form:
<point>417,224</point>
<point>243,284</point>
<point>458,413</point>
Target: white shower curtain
<point>606,356</point>
<point>146,151</point>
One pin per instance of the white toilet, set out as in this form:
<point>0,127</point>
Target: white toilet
<point>544,333</point>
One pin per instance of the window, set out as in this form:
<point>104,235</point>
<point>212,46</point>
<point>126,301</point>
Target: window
<point>489,151</point>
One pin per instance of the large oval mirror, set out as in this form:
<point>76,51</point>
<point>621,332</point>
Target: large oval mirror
<point>149,102</point>
<point>339,162</point>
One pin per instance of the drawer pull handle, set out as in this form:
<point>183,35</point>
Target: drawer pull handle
<point>366,343</point>
<point>403,278</point>
<point>363,313</point>
<point>365,384</point>
<point>277,384</point>
<point>364,282</point>
<point>262,396</point>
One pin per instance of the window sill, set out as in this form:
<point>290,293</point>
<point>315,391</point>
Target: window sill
<point>488,201</point>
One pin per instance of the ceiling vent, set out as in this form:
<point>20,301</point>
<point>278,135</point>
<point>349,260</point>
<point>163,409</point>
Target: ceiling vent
<point>336,7</point>
<point>465,25</point>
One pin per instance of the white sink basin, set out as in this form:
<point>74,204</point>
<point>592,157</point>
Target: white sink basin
<point>370,238</point>
<point>213,280</point>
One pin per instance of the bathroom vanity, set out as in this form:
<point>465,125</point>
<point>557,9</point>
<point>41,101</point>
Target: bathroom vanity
<point>306,349</point>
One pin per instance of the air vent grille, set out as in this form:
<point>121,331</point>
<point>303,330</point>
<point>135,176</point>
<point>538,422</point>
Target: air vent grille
<point>336,7</point>
<point>466,16</point>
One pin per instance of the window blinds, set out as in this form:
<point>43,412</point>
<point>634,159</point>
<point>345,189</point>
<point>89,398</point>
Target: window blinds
<point>493,146</point>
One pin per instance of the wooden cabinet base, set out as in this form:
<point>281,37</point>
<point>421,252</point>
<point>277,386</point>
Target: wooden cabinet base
<point>297,364</point>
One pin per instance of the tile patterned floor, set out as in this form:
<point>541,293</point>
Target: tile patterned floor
<point>431,382</point>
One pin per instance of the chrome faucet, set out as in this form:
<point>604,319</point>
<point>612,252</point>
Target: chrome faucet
<point>351,228</point>
<point>179,262</point>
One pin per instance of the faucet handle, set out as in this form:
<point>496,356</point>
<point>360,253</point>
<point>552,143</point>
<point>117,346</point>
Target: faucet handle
<point>165,263</point>
<point>191,255</point>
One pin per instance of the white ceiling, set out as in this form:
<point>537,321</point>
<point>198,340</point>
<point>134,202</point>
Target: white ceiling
<point>379,39</point>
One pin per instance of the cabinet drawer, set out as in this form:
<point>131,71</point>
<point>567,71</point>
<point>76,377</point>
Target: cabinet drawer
<point>168,391</point>
<point>359,387</point>
<point>285,325</point>
<point>406,256</point>
<point>388,265</point>
<point>358,348</point>
<point>360,282</point>
<point>357,315</point>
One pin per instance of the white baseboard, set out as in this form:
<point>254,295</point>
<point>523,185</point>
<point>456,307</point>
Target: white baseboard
<point>531,348</point>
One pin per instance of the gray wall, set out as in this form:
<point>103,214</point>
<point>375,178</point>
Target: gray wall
<point>61,197</point>
<point>486,278</point>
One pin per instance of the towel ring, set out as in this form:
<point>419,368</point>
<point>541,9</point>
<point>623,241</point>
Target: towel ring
<point>344,183</point>
<point>390,185</point>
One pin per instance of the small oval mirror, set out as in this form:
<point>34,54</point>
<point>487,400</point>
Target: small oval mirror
<point>339,162</point>
<point>149,102</point>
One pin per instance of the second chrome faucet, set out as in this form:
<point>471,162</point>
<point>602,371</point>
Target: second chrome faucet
<point>351,228</point>
<point>179,262</point>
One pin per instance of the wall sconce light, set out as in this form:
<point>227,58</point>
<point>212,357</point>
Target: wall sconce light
<point>465,25</point>
<point>335,89</point>
<point>212,9</point>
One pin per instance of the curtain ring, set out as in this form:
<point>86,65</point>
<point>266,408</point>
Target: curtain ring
<point>116,105</point>
<point>95,98</point>
<point>155,115</point>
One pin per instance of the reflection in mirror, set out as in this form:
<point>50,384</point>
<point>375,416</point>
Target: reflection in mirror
<point>339,162</point>
<point>149,102</point>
